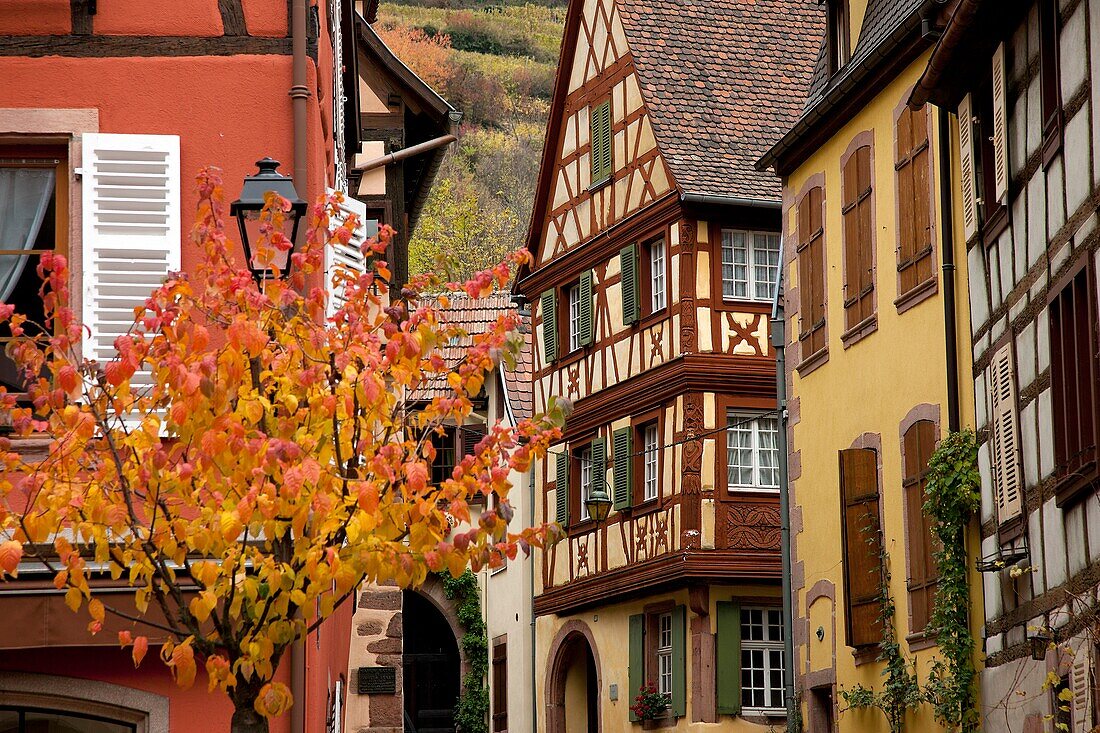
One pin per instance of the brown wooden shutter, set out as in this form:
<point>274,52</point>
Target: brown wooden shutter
<point>500,686</point>
<point>858,238</point>
<point>1005,432</point>
<point>811,273</point>
<point>862,540</point>
<point>918,443</point>
<point>914,216</point>
<point>1073,375</point>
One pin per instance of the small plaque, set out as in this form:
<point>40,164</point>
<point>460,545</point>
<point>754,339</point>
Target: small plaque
<point>377,680</point>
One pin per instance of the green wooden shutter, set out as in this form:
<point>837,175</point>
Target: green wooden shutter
<point>621,448</point>
<point>587,327</point>
<point>679,661</point>
<point>729,658</point>
<point>600,128</point>
<point>599,463</point>
<point>562,490</point>
<point>628,260</point>
<point>550,325</point>
<point>636,673</point>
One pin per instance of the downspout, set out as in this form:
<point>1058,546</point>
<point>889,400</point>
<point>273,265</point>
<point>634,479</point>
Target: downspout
<point>948,250</point>
<point>779,342</point>
<point>531,581</point>
<point>299,96</point>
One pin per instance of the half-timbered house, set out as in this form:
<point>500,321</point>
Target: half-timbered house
<point>1023,79</point>
<point>656,249</point>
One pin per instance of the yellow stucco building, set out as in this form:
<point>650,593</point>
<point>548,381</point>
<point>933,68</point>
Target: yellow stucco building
<point>878,355</point>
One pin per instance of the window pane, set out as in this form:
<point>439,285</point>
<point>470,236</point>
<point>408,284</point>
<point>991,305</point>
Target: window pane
<point>739,451</point>
<point>574,317</point>
<point>765,260</point>
<point>664,675</point>
<point>768,432</point>
<point>657,271</point>
<point>651,462</point>
<point>44,722</point>
<point>586,480</point>
<point>735,269</point>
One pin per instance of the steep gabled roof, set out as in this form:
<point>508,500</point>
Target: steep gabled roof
<point>723,80</point>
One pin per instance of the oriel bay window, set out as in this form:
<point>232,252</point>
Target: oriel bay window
<point>752,452</point>
<point>33,221</point>
<point>658,654</point>
<point>750,264</point>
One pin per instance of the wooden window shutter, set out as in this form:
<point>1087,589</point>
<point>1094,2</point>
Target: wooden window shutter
<point>858,238</point>
<point>344,257</point>
<point>500,687</point>
<point>679,661</point>
<point>628,261</point>
<point>811,273</point>
<point>636,663</point>
<point>549,308</point>
<point>1005,440</point>
<point>587,327</point>
<point>600,122</point>
<point>131,232</point>
<point>966,166</point>
<point>1000,126</point>
<point>913,167</point>
<point>471,436</point>
<point>862,540</point>
<point>1082,684</point>
<point>729,658</point>
<point>622,448</point>
<point>599,462</point>
<point>918,443</point>
<point>561,489</point>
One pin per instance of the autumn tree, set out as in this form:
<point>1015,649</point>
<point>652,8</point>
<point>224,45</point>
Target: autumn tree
<point>246,463</point>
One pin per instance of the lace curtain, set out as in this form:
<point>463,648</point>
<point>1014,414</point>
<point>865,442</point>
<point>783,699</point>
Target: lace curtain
<point>24,197</point>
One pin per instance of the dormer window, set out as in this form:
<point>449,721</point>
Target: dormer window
<point>837,43</point>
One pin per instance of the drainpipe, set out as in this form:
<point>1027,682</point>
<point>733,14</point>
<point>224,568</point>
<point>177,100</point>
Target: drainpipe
<point>299,95</point>
<point>531,595</point>
<point>399,155</point>
<point>779,343</point>
<point>948,250</point>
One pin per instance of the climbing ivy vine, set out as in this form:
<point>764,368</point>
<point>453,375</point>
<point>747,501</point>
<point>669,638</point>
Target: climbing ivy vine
<point>900,692</point>
<point>472,708</point>
<point>954,495</point>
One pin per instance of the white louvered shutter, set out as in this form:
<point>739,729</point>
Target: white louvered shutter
<point>1000,126</point>
<point>1081,684</point>
<point>1007,479</point>
<point>966,165</point>
<point>345,256</point>
<point>131,231</point>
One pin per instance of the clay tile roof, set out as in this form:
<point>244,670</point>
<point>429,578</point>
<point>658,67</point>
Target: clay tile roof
<point>723,80</point>
<point>475,316</point>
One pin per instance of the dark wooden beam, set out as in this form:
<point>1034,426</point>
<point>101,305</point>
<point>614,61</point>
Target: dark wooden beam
<point>81,12</point>
<point>232,18</point>
<point>111,46</point>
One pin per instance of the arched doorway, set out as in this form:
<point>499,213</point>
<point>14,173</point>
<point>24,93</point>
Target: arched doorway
<point>431,672</point>
<point>574,683</point>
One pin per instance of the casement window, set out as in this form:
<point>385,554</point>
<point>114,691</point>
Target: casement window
<point>651,461</point>
<point>837,42</point>
<point>32,720</point>
<point>811,273</point>
<point>573,326</point>
<point>917,445</point>
<point>750,659</point>
<point>1073,374</point>
<point>983,145</point>
<point>645,279</point>
<point>452,444</point>
<point>657,285</point>
<point>859,239</point>
<point>348,258</point>
<point>574,317</point>
<point>33,221</point>
<point>750,264</point>
<point>1004,434</point>
<point>752,453</point>
<point>588,469</point>
<point>658,654</point>
<point>600,121</point>
<point>913,167</point>
<point>1050,28</point>
<point>500,685</point>
<point>862,543</point>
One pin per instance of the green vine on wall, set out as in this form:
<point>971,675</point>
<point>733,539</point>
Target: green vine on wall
<point>954,495</point>
<point>472,708</point>
<point>900,692</point>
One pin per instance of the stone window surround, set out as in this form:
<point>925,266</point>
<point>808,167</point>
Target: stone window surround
<point>148,711</point>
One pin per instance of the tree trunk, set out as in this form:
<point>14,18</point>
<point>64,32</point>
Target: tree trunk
<point>247,720</point>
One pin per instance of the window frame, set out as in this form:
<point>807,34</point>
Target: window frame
<point>767,646</point>
<point>55,156</point>
<point>733,417</point>
<point>498,712</point>
<point>651,649</point>
<point>664,652</point>
<point>572,320</point>
<point>751,254</point>
<point>638,426</point>
<point>1050,79</point>
<point>582,457</point>
<point>647,280</point>
<point>838,38</point>
<point>992,213</point>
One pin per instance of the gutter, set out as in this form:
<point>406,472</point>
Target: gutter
<point>409,152</point>
<point>706,199</point>
<point>299,95</point>
<point>957,30</point>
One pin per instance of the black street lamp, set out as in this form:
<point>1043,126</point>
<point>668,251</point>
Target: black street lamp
<point>1039,643</point>
<point>272,262</point>
<point>598,504</point>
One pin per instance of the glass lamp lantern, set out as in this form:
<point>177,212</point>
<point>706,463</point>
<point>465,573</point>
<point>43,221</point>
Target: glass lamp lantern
<point>272,262</point>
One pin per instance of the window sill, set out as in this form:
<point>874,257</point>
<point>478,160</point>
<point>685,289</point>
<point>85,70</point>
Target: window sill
<point>584,526</point>
<point>920,640</point>
<point>753,490</point>
<point>812,362</point>
<point>865,654</point>
<point>1052,141</point>
<point>569,359</point>
<point>768,715</point>
<point>645,507</point>
<point>1010,529</point>
<point>651,318</point>
<point>743,305</point>
<point>1070,489</point>
<point>917,295</point>
<point>860,331</point>
<point>592,188</point>
<point>995,226</point>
